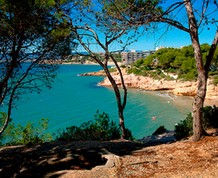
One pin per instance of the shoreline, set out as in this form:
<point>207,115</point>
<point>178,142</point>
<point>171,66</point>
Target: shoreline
<point>172,87</point>
<point>88,63</point>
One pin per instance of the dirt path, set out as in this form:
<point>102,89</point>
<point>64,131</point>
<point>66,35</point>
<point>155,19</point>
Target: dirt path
<point>112,159</point>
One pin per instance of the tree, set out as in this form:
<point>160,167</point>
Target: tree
<point>94,27</point>
<point>32,35</point>
<point>198,16</point>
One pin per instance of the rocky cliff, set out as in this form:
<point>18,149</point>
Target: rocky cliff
<point>176,87</point>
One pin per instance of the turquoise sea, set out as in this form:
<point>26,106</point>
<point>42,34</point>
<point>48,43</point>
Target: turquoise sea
<point>75,99</point>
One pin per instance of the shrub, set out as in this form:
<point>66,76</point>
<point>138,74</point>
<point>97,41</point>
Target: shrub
<point>160,130</point>
<point>215,80</point>
<point>100,129</point>
<point>123,66</point>
<point>210,117</point>
<point>209,120</point>
<point>23,135</point>
<point>113,69</point>
<point>184,128</point>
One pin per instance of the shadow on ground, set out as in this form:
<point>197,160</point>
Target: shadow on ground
<point>37,161</point>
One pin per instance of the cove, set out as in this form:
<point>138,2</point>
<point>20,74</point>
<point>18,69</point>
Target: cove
<point>75,99</point>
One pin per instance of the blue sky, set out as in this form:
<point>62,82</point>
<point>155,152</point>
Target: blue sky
<point>173,37</point>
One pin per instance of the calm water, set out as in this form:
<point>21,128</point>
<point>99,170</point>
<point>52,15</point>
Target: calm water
<point>75,99</point>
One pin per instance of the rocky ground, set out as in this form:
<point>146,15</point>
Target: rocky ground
<point>113,159</point>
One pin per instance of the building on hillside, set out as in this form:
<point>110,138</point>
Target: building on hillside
<point>129,57</point>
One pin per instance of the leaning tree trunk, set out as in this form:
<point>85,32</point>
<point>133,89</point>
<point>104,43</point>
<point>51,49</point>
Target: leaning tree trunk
<point>7,117</point>
<point>122,125</point>
<point>120,105</point>
<point>198,104</point>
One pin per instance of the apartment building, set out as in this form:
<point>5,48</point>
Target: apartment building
<point>131,56</point>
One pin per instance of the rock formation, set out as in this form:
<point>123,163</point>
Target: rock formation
<point>176,87</point>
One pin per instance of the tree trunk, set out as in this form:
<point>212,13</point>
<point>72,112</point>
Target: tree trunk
<point>7,118</point>
<point>122,125</point>
<point>6,122</point>
<point>122,104</point>
<point>202,77</point>
<point>119,102</point>
<point>198,130</point>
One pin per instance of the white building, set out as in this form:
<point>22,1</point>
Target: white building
<point>133,55</point>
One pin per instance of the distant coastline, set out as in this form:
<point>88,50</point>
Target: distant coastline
<point>85,63</point>
<point>110,63</point>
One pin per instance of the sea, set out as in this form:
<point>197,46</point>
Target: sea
<point>75,99</point>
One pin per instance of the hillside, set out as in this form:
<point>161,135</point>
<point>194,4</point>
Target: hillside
<point>118,158</point>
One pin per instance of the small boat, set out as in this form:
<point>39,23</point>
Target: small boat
<point>154,118</point>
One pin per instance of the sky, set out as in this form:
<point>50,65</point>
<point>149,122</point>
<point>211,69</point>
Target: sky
<point>175,37</point>
<point>172,38</point>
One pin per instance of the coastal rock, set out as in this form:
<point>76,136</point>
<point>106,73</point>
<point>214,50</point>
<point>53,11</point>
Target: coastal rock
<point>166,137</point>
<point>185,91</point>
<point>98,73</point>
<point>176,87</point>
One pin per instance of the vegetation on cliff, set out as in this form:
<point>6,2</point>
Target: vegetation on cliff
<point>179,61</point>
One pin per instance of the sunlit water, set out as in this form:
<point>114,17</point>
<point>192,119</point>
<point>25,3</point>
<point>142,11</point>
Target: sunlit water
<point>75,99</point>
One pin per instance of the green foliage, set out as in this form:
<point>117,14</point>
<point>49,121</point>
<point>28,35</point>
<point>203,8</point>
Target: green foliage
<point>99,129</point>
<point>130,9</point>
<point>215,80</point>
<point>31,31</point>
<point>113,69</point>
<point>137,71</point>
<point>160,130</point>
<point>117,56</point>
<point>165,57</point>
<point>210,117</point>
<point>185,127</point>
<point>180,61</point>
<point>23,135</point>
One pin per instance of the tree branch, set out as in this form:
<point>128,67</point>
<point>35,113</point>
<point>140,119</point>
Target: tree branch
<point>211,53</point>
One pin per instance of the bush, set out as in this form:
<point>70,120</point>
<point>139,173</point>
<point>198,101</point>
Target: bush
<point>184,128</point>
<point>23,135</point>
<point>215,80</point>
<point>113,69</point>
<point>210,117</point>
<point>209,120</point>
<point>100,129</point>
<point>160,130</point>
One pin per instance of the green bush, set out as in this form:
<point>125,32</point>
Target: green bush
<point>184,128</point>
<point>113,69</point>
<point>215,80</point>
<point>210,117</point>
<point>160,130</point>
<point>100,129</point>
<point>209,120</point>
<point>23,135</point>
